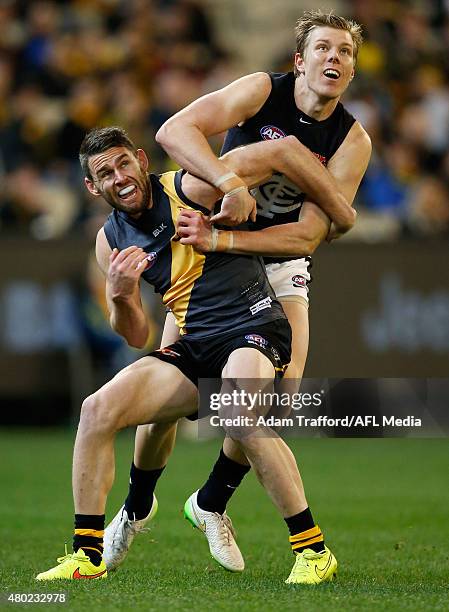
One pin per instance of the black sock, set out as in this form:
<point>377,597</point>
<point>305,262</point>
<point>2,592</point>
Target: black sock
<point>225,477</point>
<point>141,488</point>
<point>89,530</point>
<point>304,533</point>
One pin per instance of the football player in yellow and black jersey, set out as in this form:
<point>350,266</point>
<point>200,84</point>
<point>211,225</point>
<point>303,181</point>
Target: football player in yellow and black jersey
<point>304,103</point>
<point>231,326</point>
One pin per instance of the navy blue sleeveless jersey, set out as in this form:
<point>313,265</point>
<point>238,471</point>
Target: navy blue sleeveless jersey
<point>278,200</point>
<point>210,293</point>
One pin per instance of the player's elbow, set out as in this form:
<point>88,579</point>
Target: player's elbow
<point>133,339</point>
<point>348,219</point>
<point>166,134</point>
<point>285,148</point>
<point>308,243</point>
<point>137,344</point>
<point>162,135</point>
<point>309,246</point>
<point>291,141</point>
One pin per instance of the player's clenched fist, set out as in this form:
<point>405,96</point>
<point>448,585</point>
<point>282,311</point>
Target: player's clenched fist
<point>237,207</point>
<point>125,269</point>
<point>195,229</point>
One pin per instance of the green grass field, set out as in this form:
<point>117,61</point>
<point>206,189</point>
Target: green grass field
<point>383,505</point>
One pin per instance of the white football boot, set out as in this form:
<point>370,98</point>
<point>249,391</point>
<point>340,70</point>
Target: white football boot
<point>219,532</point>
<point>120,533</point>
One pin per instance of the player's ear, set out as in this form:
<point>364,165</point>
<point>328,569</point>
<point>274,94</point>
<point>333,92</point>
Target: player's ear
<point>299,64</point>
<point>91,186</point>
<point>143,159</point>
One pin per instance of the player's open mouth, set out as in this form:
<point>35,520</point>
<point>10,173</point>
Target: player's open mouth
<point>127,192</point>
<point>331,73</point>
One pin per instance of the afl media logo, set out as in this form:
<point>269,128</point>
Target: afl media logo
<point>271,132</point>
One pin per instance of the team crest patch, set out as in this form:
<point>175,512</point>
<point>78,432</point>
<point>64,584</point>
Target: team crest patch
<point>257,340</point>
<point>151,258</point>
<point>298,281</point>
<point>271,132</point>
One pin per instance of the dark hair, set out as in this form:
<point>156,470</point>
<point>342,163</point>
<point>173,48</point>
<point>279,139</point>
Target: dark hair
<point>313,19</point>
<point>98,140</point>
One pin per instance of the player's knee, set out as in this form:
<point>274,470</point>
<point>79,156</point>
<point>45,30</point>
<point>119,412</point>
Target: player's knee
<point>240,422</point>
<point>96,416</point>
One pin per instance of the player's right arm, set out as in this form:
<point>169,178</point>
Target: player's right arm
<point>184,138</point>
<point>122,270</point>
<point>288,156</point>
<point>256,163</point>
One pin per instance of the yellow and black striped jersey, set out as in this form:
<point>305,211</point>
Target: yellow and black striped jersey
<point>208,293</point>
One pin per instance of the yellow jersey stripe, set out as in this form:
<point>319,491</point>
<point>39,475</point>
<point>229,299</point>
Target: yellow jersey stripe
<point>187,264</point>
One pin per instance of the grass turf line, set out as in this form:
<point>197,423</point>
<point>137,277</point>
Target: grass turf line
<point>382,505</point>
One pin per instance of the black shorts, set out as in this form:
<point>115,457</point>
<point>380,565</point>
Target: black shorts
<point>206,357</point>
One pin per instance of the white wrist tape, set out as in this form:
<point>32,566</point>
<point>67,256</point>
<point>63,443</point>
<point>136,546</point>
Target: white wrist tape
<point>236,190</point>
<point>214,239</point>
<point>223,178</point>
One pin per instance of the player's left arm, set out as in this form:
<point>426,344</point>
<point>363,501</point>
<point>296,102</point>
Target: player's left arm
<point>348,166</point>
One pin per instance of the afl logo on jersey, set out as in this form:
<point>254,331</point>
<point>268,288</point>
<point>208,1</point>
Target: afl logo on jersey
<point>271,132</point>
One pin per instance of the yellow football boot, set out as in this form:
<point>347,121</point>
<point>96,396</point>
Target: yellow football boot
<point>313,568</point>
<point>76,566</point>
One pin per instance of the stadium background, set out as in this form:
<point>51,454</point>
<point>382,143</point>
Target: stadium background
<point>380,298</point>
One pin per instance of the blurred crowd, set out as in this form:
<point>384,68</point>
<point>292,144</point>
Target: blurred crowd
<point>401,96</point>
<point>66,66</point>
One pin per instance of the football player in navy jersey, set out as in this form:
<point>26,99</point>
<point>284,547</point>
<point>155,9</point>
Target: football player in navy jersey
<point>261,106</point>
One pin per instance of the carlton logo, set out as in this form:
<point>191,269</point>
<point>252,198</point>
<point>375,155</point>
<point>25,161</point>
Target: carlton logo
<point>271,132</point>
<point>298,281</point>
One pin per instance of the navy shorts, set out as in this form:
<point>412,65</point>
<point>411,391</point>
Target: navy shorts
<point>206,357</point>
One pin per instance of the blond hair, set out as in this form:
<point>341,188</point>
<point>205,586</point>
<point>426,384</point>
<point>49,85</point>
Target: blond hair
<point>313,19</point>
